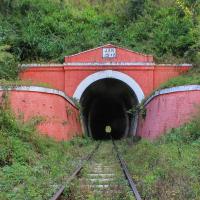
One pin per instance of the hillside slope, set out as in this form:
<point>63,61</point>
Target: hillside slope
<point>37,31</point>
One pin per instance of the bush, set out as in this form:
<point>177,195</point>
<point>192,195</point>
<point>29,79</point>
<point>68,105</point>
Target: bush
<point>187,134</point>
<point>8,64</point>
<point>48,30</point>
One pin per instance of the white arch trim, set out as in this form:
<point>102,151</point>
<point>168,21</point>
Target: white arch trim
<point>109,74</point>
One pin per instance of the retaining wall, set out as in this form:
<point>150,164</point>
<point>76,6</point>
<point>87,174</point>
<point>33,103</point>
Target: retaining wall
<point>61,116</point>
<point>169,108</point>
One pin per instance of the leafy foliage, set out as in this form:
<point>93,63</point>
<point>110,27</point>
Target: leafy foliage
<point>34,166</point>
<point>170,166</point>
<point>48,30</point>
<point>8,65</point>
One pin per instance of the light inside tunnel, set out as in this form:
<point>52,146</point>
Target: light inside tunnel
<point>105,104</point>
<point>108,129</point>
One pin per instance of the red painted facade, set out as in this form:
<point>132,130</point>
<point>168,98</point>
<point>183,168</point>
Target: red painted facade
<point>66,77</point>
<point>168,111</point>
<point>61,119</point>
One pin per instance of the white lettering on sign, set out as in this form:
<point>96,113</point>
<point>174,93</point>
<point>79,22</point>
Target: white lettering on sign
<point>109,52</point>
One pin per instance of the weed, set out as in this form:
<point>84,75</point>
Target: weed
<point>169,167</point>
<point>33,166</point>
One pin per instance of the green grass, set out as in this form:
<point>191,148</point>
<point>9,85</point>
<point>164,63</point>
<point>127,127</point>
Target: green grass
<point>33,166</point>
<point>15,83</point>
<point>190,78</point>
<point>168,168</point>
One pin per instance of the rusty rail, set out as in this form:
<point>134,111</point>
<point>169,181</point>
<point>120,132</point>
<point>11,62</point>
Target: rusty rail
<point>61,189</point>
<point>126,173</point>
<point>123,165</point>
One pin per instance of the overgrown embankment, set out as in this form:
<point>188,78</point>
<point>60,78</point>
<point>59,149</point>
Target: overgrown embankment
<point>192,77</point>
<point>168,168</point>
<point>16,83</point>
<point>33,166</point>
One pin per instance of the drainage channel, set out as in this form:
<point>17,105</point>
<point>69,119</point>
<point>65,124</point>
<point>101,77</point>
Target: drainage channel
<point>104,176</point>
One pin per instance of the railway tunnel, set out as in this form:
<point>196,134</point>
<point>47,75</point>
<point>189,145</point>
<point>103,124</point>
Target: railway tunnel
<point>105,103</point>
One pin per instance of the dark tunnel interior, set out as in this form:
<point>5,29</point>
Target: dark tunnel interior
<point>105,104</point>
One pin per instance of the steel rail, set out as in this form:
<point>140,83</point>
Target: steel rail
<point>126,173</point>
<point>61,189</point>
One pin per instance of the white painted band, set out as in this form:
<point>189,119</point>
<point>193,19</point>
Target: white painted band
<point>104,64</point>
<point>109,64</point>
<point>183,88</point>
<point>85,83</point>
<point>41,65</point>
<point>175,65</point>
<point>37,89</point>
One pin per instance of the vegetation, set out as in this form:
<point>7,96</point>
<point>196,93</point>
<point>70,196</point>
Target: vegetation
<point>33,166</point>
<point>190,78</point>
<point>41,31</point>
<point>14,83</point>
<point>8,65</point>
<point>170,166</point>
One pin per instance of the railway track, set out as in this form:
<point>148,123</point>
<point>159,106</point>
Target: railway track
<point>103,174</point>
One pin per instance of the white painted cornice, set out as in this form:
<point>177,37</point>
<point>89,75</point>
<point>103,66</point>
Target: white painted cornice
<point>183,88</point>
<point>37,89</point>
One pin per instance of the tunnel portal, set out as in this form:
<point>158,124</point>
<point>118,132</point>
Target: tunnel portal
<point>104,104</point>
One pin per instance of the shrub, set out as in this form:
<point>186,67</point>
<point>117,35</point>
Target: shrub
<point>33,166</point>
<point>8,65</point>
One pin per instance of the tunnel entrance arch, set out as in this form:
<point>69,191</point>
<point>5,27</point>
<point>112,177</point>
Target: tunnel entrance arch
<point>109,74</point>
<point>105,98</point>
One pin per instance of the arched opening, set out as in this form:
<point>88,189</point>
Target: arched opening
<point>105,98</point>
<point>104,109</point>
